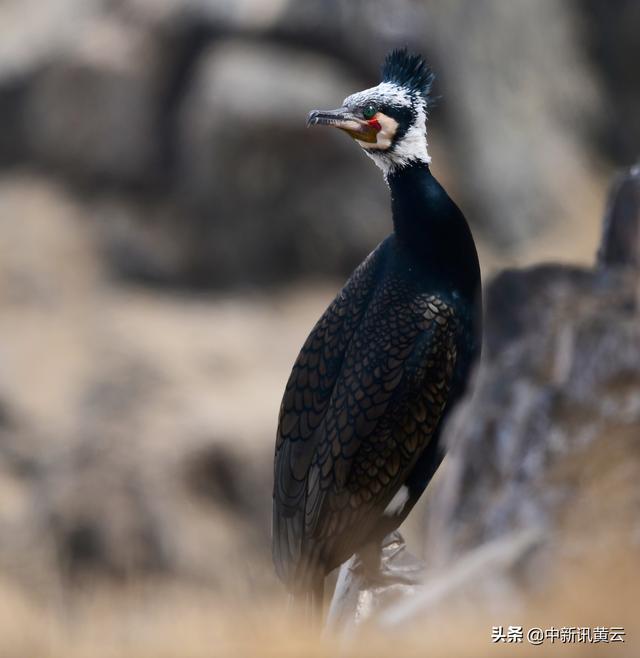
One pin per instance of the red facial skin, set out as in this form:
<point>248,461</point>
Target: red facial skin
<point>374,124</point>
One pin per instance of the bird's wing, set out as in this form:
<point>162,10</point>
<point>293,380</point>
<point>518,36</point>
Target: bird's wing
<point>385,407</point>
<point>304,405</point>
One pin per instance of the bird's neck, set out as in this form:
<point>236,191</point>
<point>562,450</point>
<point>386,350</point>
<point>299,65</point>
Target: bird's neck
<point>419,204</point>
<point>429,225</point>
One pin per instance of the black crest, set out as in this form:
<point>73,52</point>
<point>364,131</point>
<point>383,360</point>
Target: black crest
<point>407,70</point>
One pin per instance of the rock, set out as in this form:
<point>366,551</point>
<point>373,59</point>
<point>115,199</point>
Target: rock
<point>275,200</point>
<point>515,110</point>
<point>125,447</point>
<point>611,38</point>
<point>553,421</point>
<point>144,240</point>
<point>124,97</point>
<point>92,110</point>
<point>621,232</point>
<point>31,34</point>
<point>492,128</point>
<point>359,39</point>
<point>48,252</point>
<point>566,385</point>
<point>12,102</point>
<point>32,31</point>
<point>365,587</point>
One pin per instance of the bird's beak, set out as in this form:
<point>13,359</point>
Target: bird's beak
<point>363,131</point>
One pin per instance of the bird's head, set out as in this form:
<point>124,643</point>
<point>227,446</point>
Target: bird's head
<point>389,120</point>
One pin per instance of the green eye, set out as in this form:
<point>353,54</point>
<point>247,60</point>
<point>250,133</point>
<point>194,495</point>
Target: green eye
<point>369,112</point>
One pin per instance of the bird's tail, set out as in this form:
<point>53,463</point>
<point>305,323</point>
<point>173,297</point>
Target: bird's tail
<point>307,604</point>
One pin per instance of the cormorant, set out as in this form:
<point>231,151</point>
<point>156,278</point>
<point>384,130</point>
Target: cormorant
<point>359,426</point>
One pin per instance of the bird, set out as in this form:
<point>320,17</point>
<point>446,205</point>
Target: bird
<point>360,423</point>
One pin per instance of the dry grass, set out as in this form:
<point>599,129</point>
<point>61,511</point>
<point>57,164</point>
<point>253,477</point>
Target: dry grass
<point>151,622</point>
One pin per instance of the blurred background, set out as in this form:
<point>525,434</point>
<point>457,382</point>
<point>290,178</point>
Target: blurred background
<point>170,231</point>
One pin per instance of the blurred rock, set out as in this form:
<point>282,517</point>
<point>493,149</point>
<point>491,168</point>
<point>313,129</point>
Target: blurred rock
<point>620,245</point>
<point>48,252</point>
<point>145,240</point>
<point>572,379</point>
<point>125,446</point>
<point>32,31</point>
<point>31,34</point>
<point>502,98</point>
<point>611,31</point>
<point>190,113</point>
<point>358,33</point>
<point>214,474</point>
<point>12,102</point>
<point>517,110</point>
<point>275,200</point>
<point>365,587</point>
<point>548,441</point>
<point>92,110</point>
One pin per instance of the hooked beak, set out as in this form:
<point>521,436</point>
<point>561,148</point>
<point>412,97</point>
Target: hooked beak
<point>359,129</point>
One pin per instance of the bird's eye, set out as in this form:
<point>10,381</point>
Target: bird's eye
<point>369,112</point>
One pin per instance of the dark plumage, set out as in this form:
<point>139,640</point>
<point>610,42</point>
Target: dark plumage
<point>364,405</point>
<point>408,71</point>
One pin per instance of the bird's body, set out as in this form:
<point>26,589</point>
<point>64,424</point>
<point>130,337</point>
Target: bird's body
<point>359,425</point>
